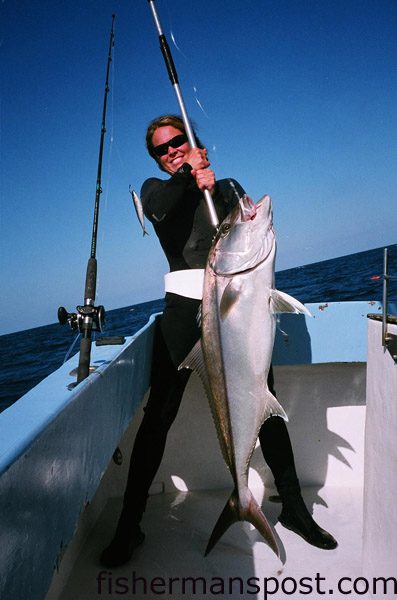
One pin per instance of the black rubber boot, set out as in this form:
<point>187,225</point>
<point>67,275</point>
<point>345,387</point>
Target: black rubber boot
<point>121,548</point>
<point>277,451</point>
<point>296,517</point>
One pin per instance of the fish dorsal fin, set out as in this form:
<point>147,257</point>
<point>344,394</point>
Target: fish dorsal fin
<point>199,316</point>
<point>230,296</point>
<point>194,359</point>
<point>195,362</point>
<point>280,302</point>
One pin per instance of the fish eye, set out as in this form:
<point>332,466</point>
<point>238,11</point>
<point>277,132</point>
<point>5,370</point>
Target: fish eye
<point>225,228</point>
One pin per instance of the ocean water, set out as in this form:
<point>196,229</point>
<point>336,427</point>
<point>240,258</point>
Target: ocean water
<point>27,357</point>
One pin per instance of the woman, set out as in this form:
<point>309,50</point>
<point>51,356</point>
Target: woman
<point>177,209</point>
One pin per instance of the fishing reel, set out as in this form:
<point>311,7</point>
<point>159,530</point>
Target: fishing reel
<point>79,320</point>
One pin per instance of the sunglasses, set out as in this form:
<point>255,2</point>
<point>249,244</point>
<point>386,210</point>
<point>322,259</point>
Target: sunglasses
<point>174,142</point>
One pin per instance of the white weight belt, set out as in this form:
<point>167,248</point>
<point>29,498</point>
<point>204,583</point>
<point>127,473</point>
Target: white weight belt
<point>188,283</point>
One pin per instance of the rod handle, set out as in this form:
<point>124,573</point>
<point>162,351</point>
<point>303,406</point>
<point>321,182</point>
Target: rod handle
<point>169,62</point>
<point>90,281</point>
<point>165,49</point>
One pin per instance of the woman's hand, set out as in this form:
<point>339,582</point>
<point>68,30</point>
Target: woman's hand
<point>197,158</point>
<point>205,179</point>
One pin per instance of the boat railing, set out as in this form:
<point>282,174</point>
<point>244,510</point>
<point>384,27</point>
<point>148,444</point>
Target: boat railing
<point>389,340</point>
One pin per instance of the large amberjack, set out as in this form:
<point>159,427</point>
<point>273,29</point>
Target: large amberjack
<point>234,354</point>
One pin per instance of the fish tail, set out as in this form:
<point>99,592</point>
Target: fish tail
<point>229,515</point>
<point>234,512</point>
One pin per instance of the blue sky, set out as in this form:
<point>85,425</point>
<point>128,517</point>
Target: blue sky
<point>298,100</point>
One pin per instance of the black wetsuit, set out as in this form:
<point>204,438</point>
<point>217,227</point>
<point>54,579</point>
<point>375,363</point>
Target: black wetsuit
<point>179,215</point>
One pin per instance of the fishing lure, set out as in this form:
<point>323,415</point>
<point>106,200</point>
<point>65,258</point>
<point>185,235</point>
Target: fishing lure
<point>139,210</point>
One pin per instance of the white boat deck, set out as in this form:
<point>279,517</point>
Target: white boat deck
<point>178,524</point>
<point>177,527</point>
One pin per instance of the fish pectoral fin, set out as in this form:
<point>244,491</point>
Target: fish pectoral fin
<point>229,298</point>
<point>273,407</point>
<point>280,302</point>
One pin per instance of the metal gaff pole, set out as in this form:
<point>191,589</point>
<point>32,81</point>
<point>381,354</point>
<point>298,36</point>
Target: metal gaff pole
<point>165,49</point>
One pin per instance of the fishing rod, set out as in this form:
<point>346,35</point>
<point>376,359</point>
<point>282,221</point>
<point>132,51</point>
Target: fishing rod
<point>90,318</point>
<point>165,49</point>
